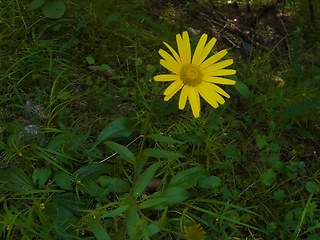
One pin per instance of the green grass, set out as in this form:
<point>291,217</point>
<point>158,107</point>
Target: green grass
<point>79,150</point>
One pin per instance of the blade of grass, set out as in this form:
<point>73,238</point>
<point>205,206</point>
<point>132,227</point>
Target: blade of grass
<point>216,215</point>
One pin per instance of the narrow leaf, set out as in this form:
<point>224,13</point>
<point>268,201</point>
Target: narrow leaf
<point>116,212</point>
<point>144,179</point>
<point>123,151</point>
<point>98,230</point>
<point>165,139</point>
<point>132,221</point>
<point>152,202</point>
<point>159,153</point>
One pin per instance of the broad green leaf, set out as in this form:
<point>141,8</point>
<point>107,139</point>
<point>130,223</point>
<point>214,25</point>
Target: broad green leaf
<point>63,180</point>
<point>188,178</point>
<point>123,151</point>
<point>261,140</point>
<point>113,17</point>
<point>268,177</point>
<point>105,67</point>
<point>95,190</point>
<point>90,60</point>
<point>63,215</point>
<point>36,4</point>
<point>165,139</point>
<point>159,153</point>
<point>312,186</point>
<point>242,89</point>
<point>41,176</point>
<point>71,202</point>
<point>114,184</point>
<point>16,180</point>
<point>172,194</point>
<point>279,195</point>
<point>98,230</point>
<point>116,212</point>
<point>175,195</point>
<point>91,171</point>
<point>54,8</point>
<point>121,127</point>
<point>144,179</point>
<point>211,182</point>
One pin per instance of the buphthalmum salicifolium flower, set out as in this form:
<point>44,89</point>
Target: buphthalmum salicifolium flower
<point>195,75</point>
<point>194,232</point>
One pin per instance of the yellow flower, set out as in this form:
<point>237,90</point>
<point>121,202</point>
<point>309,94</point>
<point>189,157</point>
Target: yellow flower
<point>195,232</point>
<point>195,76</point>
<point>42,206</point>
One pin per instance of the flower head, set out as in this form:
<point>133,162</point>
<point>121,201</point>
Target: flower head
<point>194,232</point>
<point>196,75</point>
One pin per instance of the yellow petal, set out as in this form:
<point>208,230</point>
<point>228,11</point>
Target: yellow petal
<point>170,66</point>
<point>169,59</point>
<point>217,66</point>
<point>219,80</point>
<point>207,95</point>
<point>186,43</point>
<point>199,49</point>
<point>174,53</point>
<point>172,89</point>
<point>214,88</point>
<point>166,77</point>
<point>219,98</point>
<point>181,49</point>
<point>210,93</point>
<point>194,101</point>
<point>207,50</point>
<point>221,72</point>
<point>219,90</point>
<point>167,56</point>
<point>211,60</point>
<point>183,96</point>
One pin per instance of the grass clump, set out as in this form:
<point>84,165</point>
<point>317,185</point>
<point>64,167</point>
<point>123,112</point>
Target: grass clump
<point>89,150</point>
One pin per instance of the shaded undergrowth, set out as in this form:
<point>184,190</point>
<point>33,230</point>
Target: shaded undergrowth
<point>89,150</point>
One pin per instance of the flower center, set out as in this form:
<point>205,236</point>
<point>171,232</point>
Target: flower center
<point>190,75</point>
